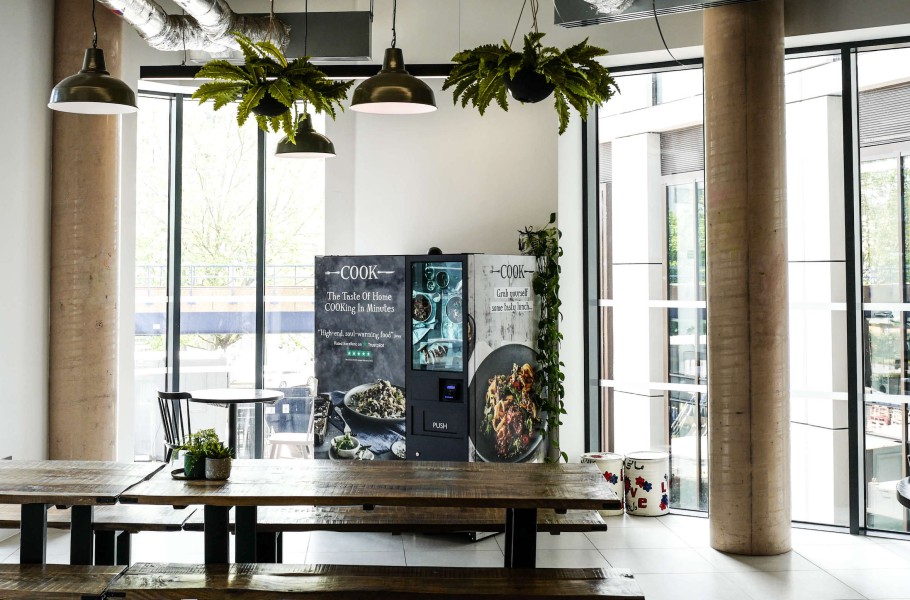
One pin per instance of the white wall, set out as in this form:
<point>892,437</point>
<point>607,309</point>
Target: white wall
<point>451,178</point>
<point>24,229</point>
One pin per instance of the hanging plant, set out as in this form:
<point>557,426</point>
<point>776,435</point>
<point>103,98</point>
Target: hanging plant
<point>543,244</point>
<point>490,73</point>
<point>269,86</point>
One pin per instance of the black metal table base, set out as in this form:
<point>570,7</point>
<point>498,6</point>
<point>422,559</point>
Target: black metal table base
<point>217,535</point>
<point>521,538</point>
<point>33,534</point>
<point>82,538</point>
<point>112,547</point>
<point>245,541</point>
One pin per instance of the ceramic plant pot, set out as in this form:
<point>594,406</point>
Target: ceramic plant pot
<point>269,107</point>
<point>217,468</point>
<point>194,466</point>
<point>529,86</point>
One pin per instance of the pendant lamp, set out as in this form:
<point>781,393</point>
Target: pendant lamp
<point>92,90</point>
<point>308,143</point>
<point>393,91</point>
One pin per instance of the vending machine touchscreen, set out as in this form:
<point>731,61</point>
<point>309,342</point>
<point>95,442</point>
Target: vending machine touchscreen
<point>438,419</point>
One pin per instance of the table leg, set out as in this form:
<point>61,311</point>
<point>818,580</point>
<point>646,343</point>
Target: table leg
<point>217,534</point>
<point>82,538</point>
<point>124,542</point>
<point>521,538</point>
<point>267,546</point>
<point>105,547</point>
<point>245,534</point>
<point>33,534</point>
<point>232,429</point>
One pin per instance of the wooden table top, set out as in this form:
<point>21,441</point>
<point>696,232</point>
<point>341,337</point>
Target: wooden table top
<point>69,482</point>
<point>391,483</point>
<point>225,396</point>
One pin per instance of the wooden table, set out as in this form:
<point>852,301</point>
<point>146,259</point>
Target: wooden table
<point>230,398</point>
<point>35,485</point>
<point>518,488</point>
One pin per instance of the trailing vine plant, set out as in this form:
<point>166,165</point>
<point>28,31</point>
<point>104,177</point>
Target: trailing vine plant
<point>543,245</point>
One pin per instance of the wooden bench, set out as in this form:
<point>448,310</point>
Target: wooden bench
<point>56,582</point>
<point>145,581</point>
<point>273,521</point>
<point>112,525</point>
<point>405,519</point>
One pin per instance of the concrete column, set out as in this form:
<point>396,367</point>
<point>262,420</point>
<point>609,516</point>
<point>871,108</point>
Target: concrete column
<point>83,291</point>
<point>748,368</point>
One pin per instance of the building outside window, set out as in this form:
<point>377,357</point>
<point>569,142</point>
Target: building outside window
<point>220,174</point>
<point>653,314</point>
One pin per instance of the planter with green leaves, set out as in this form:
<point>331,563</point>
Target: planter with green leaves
<point>194,453</point>
<point>489,73</point>
<point>269,87</point>
<point>217,460</point>
<point>543,245</point>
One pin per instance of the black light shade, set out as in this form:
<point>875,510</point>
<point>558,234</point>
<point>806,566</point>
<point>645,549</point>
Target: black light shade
<point>308,143</point>
<point>92,90</point>
<point>393,91</point>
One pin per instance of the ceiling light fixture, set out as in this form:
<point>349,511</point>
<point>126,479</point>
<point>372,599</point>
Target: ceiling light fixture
<point>308,143</point>
<point>92,91</point>
<point>393,91</point>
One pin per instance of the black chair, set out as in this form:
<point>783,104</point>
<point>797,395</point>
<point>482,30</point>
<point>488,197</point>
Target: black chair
<point>175,417</point>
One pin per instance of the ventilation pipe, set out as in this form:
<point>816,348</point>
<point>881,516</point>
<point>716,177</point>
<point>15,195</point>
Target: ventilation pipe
<point>207,25</point>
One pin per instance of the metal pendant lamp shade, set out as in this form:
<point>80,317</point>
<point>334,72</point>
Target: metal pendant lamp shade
<point>308,143</point>
<point>393,91</point>
<point>92,90</point>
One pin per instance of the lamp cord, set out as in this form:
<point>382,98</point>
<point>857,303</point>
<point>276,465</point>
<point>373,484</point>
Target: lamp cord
<point>394,16</point>
<point>94,27</point>
<point>661,32</point>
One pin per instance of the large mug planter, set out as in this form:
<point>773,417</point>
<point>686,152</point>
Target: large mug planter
<point>217,468</point>
<point>529,86</point>
<point>194,466</point>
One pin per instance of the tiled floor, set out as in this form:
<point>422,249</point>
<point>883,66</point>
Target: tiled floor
<point>670,557</point>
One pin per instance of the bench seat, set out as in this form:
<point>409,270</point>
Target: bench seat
<point>119,517</point>
<point>55,582</point>
<point>400,519</point>
<point>146,581</point>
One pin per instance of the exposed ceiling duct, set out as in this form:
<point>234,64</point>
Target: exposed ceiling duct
<point>206,27</point>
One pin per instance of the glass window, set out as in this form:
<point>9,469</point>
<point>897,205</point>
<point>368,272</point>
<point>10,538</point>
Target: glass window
<point>152,160</point>
<point>652,275</point>
<point>219,266</point>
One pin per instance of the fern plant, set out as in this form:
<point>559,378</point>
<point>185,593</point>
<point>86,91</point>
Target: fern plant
<point>267,74</point>
<point>482,75</point>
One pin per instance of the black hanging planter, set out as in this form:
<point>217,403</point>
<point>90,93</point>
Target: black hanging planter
<point>269,107</point>
<point>529,86</point>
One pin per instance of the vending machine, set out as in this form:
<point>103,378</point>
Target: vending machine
<point>430,357</point>
<point>471,367</point>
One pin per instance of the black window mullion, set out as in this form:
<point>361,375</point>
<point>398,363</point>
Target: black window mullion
<point>174,259</point>
<point>260,289</point>
<point>853,248</point>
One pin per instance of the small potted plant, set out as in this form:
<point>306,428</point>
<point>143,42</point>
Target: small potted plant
<point>194,452</point>
<point>346,445</point>
<point>217,460</point>
<point>269,86</point>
